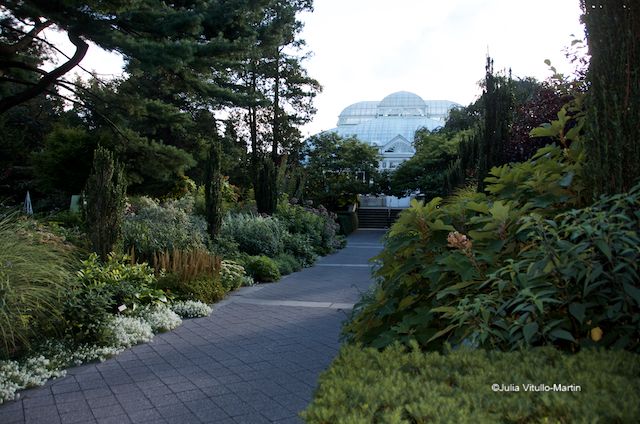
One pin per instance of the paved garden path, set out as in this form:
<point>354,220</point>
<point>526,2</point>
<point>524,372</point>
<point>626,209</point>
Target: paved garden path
<point>255,359</point>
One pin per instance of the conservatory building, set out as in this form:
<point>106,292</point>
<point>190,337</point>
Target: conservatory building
<point>390,125</point>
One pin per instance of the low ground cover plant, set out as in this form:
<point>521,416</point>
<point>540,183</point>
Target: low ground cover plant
<point>400,386</point>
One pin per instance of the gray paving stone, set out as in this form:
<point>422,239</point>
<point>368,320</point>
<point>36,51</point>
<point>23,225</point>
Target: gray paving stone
<point>252,418</point>
<point>99,402</point>
<point>107,411</point>
<point>117,419</point>
<point>69,407</point>
<point>170,411</point>
<point>191,395</point>
<point>78,416</point>
<point>145,415</point>
<point>35,402</point>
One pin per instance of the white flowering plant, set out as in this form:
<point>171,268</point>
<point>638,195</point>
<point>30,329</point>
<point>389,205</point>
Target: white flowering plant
<point>191,309</point>
<point>160,317</point>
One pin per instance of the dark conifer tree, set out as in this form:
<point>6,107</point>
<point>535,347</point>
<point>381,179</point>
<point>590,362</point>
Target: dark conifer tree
<point>613,99</point>
<point>104,197</point>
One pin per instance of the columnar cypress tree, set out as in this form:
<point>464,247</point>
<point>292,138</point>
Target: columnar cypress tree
<point>613,99</point>
<point>104,194</point>
<point>497,102</point>
<point>213,189</point>
<point>265,189</point>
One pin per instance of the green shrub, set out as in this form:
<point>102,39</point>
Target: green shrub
<point>574,284</point>
<point>348,222</point>
<point>225,247</point>
<point>262,268</point>
<point>319,225</point>
<point>255,235</point>
<point>204,289</point>
<point>396,386</point>
<point>287,264</point>
<point>151,227</point>
<point>299,246</point>
<point>103,289</point>
<point>232,275</point>
<point>34,272</point>
<point>440,252</point>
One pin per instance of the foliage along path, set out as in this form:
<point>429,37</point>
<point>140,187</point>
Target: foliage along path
<point>255,359</point>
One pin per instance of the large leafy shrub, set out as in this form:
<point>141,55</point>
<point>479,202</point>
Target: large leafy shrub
<point>526,264</point>
<point>151,227</point>
<point>105,288</point>
<point>299,246</point>
<point>319,225</point>
<point>34,271</point>
<point>393,386</point>
<point>298,220</point>
<point>255,234</point>
<point>576,282</point>
<point>437,253</point>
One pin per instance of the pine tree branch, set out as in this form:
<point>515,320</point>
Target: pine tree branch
<point>26,40</point>
<point>48,79</point>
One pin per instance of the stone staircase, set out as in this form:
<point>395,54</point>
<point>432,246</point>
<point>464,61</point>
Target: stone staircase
<point>377,217</point>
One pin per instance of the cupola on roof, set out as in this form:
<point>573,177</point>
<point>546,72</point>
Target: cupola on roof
<point>402,99</point>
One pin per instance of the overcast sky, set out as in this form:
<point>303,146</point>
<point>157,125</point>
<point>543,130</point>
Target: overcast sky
<point>366,49</point>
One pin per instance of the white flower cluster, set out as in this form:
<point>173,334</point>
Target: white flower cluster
<point>35,371</point>
<point>78,355</point>
<point>53,356</point>
<point>191,309</point>
<point>129,331</point>
<point>160,317</point>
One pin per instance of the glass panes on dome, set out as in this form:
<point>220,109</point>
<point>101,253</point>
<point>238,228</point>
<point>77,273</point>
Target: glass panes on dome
<point>391,123</point>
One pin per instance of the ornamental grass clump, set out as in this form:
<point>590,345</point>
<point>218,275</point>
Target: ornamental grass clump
<point>188,264</point>
<point>33,275</point>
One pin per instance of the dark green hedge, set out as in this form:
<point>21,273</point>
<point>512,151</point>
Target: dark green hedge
<point>348,222</point>
<point>393,386</point>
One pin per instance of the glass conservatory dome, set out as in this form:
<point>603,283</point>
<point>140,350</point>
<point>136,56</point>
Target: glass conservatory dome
<point>391,123</point>
<point>358,113</point>
<point>402,103</point>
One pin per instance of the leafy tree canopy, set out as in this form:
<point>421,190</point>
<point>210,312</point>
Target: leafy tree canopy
<point>338,169</point>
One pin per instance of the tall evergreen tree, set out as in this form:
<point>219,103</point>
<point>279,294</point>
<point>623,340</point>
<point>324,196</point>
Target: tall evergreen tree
<point>497,101</point>
<point>280,89</point>
<point>613,99</point>
<point>213,188</point>
<point>104,195</point>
